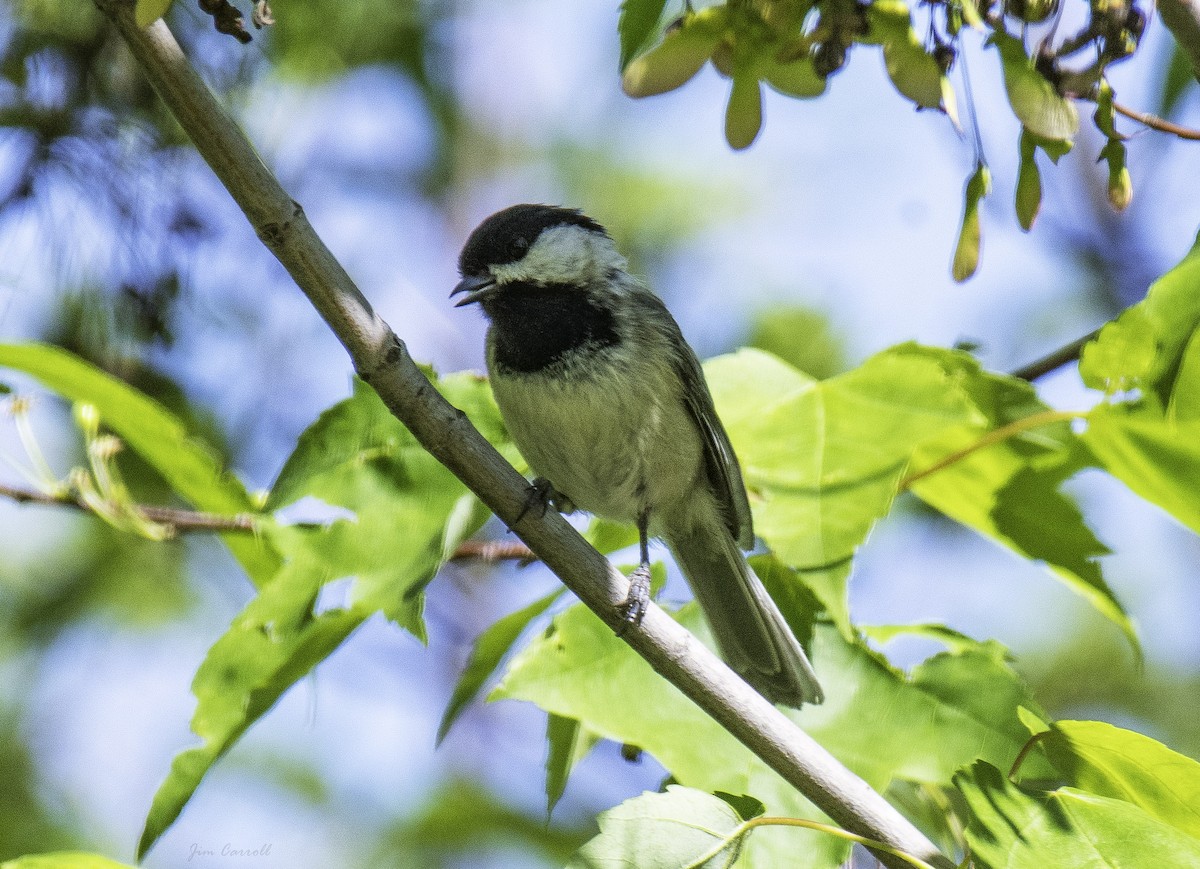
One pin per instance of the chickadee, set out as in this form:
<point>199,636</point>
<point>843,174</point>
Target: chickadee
<point>608,403</point>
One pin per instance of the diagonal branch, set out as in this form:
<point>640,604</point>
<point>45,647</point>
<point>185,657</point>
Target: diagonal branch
<point>383,361</point>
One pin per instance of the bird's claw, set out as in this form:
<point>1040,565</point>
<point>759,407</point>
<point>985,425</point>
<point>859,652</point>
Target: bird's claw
<point>539,495</point>
<point>633,609</point>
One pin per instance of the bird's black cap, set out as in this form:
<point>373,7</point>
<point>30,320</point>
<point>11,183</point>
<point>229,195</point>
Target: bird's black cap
<point>506,235</point>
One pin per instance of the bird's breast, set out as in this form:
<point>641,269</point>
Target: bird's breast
<point>612,435</point>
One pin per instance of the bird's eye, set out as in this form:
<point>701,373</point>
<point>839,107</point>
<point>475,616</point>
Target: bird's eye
<point>518,246</point>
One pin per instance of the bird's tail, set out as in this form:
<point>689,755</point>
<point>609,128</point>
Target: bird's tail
<point>749,628</point>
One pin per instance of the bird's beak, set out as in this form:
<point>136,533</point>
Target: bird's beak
<point>476,287</point>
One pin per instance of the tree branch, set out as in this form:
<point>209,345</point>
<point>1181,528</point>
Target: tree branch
<point>1064,355</point>
<point>177,520</point>
<point>383,361</point>
<point>1154,122</point>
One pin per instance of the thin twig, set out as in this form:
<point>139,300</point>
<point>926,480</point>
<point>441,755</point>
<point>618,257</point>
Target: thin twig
<point>383,361</point>
<point>178,520</point>
<point>1064,355</point>
<point>493,550</point>
<point>1154,122</point>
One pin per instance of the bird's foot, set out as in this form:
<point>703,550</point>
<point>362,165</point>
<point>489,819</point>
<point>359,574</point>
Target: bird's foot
<point>637,601</point>
<point>540,497</point>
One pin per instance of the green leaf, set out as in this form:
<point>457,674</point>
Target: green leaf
<point>681,54</point>
<point>1009,490</point>
<point>820,478</point>
<point>1158,327</point>
<point>1034,100</point>
<point>1066,828</point>
<point>1178,78</point>
<point>188,465</point>
<point>63,860</point>
<point>275,641</point>
<point>146,12</point>
<point>489,650</point>
<point>1184,405</point>
<point>912,70</point>
<point>408,514</point>
<point>1029,183</point>
<point>408,508</point>
<point>745,805</point>
<point>637,23</point>
<point>1124,356</point>
<point>1156,458</point>
<point>460,819</point>
<point>954,641</point>
<point>1111,762</point>
<point>966,252</point>
<point>743,115</point>
<point>569,742</point>
<point>955,707</point>
<point>656,831</point>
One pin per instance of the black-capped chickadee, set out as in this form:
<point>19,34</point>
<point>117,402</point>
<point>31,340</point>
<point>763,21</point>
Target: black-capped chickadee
<point>608,403</point>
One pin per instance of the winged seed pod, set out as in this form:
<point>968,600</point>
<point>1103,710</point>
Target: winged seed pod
<point>684,49</point>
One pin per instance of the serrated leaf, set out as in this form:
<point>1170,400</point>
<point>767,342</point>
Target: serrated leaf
<point>63,860</point>
<point>1122,764</point>
<point>1010,492</point>
<point>188,465</point>
<point>966,252</point>
<point>1036,103</point>
<point>743,115</point>
<point>1123,356</point>
<point>274,642</point>
<point>406,505</point>
<point>882,725</point>
<point>489,650</point>
<point>820,478</point>
<point>1143,347</point>
<point>1064,828</point>
<point>146,12</point>
<point>1155,457</point>
<point>636,25</point>
<point>1029,183</point>
<point>680,55</point>
<point>661,830</point>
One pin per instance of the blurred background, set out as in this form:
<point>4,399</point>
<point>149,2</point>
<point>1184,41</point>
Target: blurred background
<point>398,126</point>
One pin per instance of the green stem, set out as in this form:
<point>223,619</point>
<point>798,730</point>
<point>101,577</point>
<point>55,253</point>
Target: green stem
<point>995,436</point>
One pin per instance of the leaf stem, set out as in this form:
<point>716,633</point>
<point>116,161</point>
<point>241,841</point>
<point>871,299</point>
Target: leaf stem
<point>995,436</point>
<point>746,827</point>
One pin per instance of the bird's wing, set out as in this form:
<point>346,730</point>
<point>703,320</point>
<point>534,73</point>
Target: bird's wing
<point>721,464</point>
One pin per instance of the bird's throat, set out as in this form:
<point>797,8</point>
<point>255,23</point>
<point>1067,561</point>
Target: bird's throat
<point>538,327</point>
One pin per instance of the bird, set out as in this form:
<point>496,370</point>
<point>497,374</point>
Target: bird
<point>609,406</point>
